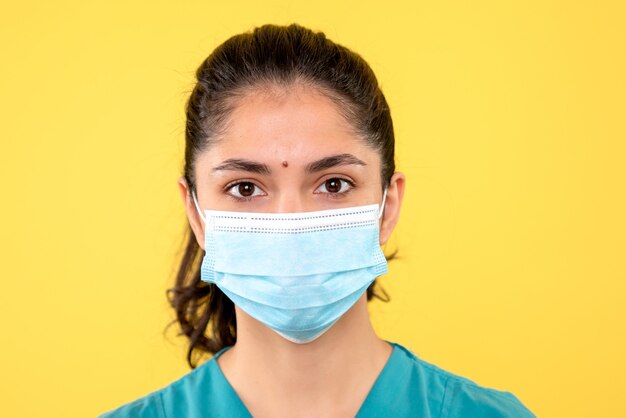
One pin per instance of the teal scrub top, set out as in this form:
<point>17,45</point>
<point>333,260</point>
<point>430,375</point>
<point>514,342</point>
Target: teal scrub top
<point>406,387</point>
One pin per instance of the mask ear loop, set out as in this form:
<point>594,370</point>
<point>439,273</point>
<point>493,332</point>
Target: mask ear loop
<point>382,206</point>
<point>195,202</point>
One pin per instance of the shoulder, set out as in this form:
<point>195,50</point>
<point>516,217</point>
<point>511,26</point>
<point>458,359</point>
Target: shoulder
<point>155,404</point>
<point>149,406</point>
<point>461,397</point>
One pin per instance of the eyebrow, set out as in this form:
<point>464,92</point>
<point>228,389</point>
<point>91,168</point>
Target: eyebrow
<point>238,164</point>
<point>333,161</point>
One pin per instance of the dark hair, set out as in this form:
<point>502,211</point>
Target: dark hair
<point>270,55</point>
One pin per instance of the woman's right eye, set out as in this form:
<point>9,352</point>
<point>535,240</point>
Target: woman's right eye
<point>244,190</point>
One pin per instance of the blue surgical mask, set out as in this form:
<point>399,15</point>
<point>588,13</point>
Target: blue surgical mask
<point>297,273</point>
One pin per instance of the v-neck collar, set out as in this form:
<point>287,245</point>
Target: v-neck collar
<point>233,400</point>
<point>392,375</point>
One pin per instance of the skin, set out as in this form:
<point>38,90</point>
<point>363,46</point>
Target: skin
<point>287,129</point>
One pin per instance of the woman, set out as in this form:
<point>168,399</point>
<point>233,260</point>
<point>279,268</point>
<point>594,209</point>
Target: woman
<point>290,189</point>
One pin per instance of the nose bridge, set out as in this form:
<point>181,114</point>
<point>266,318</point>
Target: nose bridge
<point>287,201</point>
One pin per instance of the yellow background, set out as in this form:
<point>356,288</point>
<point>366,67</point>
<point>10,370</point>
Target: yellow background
<point>510,128</point>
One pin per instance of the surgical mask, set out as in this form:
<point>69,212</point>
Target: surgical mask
<point>297,273</point>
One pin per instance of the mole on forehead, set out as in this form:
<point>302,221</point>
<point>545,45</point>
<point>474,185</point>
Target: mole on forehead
<point>285,164</point>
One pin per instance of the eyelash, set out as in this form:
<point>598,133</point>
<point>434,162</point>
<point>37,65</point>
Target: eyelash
<point>337,195</point>
<point>234,184</point>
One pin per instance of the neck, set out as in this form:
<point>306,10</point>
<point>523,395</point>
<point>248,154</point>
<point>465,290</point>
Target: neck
<point>336,369</point>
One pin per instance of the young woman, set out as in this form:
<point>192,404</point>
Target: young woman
<point>290,189</point>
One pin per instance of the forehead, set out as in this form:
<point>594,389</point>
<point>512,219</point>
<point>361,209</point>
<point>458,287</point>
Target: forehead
<point>296,124</point>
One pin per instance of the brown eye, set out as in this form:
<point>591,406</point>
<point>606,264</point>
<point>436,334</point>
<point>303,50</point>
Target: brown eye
<point>246,189</point>
<point>333,185</point>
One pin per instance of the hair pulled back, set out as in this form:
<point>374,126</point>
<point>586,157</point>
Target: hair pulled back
<point>270,55</point>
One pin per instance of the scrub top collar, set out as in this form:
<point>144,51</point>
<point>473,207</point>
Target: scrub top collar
<point>394,374</point>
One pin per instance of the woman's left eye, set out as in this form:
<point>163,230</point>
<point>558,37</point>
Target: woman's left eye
<point>335,185</point>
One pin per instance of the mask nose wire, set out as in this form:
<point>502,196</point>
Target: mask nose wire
<point>195,202</point>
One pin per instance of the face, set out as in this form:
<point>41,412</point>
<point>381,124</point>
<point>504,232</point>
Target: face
<point>289,151</point>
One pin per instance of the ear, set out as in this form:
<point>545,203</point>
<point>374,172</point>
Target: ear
<point>196,223</point>
<point>391,212</point>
